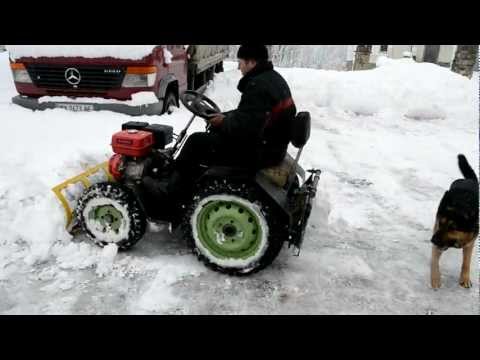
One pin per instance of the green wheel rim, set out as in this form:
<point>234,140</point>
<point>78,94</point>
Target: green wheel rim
<point>109,218</point>
<point>229,230</point>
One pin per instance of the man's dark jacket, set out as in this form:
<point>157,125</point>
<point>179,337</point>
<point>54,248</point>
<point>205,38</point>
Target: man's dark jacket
<point>264,115</point>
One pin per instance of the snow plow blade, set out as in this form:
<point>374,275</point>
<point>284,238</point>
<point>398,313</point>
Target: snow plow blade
<point>70,190</point>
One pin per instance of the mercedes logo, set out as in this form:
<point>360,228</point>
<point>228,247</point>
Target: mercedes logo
<point>72,76</point>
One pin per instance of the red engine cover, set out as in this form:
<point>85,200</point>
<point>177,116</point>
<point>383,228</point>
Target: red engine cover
<point>132,142</point>
<point>114,166</point>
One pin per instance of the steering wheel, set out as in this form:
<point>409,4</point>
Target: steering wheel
<point>199,104</point>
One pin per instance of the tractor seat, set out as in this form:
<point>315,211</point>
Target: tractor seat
<point>279,174</point>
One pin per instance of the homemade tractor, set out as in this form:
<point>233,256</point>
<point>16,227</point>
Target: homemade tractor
<point>234,220</point>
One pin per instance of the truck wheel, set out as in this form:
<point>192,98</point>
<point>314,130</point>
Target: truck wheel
<point>210,73</point>
<point>233,229</point>
<point>110,213</point>
<point>198,81</point>
<point>169,103</point>
<point>219,67</point>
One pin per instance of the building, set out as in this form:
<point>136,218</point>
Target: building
<point>438,54</point>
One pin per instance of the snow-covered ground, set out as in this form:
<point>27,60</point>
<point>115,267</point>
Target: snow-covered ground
<point>386,140</point>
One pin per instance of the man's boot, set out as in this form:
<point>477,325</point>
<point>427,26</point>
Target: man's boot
<point>178,185</point>
<point>155,187</point>
<point>154,196</point>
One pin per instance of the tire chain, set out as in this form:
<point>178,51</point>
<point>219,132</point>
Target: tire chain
<point>277,232</point>
<point>123,196</point>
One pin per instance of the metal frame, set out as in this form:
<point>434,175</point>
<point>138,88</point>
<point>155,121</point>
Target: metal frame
<point>83,178</point>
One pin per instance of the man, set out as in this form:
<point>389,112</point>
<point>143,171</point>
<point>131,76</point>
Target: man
<point>253,136</point>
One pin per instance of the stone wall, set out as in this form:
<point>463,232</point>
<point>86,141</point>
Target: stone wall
<point>464,60</point>
<point>362,57</point>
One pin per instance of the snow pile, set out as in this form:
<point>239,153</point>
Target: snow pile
<point>419,90</point>
<point>80,256</point>
<point>159,296</point>
<point>140,98</point>
<point>76,256</point>
<point>107,258</point>
<point>131,52</point>
<point>23,204</point>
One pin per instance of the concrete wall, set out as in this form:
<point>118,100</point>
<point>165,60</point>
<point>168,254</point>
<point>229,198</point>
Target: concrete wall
<point>393,51</point>
<point>445,56</point>
<point>396,51</point>
<point>447,53</point>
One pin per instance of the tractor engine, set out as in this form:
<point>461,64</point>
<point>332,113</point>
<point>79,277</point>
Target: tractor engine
<point>135,148</point>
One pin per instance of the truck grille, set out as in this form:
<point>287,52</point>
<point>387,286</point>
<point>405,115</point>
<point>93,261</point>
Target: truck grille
<point>95,78</point>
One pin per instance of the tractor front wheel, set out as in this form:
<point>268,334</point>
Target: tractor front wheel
<point>110,213</point>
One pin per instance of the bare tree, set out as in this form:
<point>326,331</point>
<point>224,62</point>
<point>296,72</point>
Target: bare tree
<point>464,60</point>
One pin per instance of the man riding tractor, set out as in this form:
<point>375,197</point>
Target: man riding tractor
<point>254,136</point>
<point>233,191</point>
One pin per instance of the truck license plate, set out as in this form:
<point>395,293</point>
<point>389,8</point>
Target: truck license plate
<point>75,107</point>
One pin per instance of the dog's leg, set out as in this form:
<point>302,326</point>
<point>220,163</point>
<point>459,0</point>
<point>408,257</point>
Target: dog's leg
<point>467,259</point>
<point>435,267</point>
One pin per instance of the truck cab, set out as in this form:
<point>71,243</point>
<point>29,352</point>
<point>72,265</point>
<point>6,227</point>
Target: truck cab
<point>76,78</point>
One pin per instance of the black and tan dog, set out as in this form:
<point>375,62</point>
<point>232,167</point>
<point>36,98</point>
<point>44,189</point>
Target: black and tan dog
<point>456,224</point>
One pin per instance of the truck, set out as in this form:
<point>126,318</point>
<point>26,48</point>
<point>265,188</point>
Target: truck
<point>134,79</point>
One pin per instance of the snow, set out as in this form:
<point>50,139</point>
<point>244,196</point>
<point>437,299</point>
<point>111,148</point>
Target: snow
<point>105,264</point>
<point>140,98</point>
<point>159,296</point>
<point>131,52</point>
<point>386,140</point>
<point>167,56</point>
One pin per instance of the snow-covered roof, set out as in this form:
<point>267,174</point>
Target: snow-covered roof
<point>131,52</point>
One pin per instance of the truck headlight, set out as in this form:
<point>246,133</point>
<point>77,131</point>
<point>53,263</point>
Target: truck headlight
<point>140,76</point>
<point>20,74</point>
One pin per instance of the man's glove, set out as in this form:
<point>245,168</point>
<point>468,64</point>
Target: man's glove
<point>217,120</point>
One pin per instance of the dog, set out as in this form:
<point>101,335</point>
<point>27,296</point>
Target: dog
<point>456,223</point>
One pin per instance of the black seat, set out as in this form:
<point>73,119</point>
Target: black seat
<point>301,129</point>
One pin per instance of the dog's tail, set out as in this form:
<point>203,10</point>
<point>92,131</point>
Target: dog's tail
<point>465,168</point>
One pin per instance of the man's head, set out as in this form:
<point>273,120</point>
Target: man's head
<point>250,55</point>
